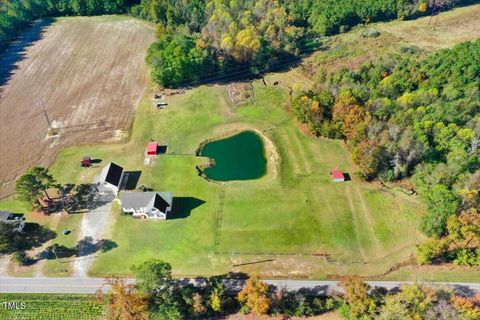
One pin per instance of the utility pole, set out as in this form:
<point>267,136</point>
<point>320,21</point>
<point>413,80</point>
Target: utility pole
<point>46,115</point>
<point>437,8</point>
<point>56,256</point>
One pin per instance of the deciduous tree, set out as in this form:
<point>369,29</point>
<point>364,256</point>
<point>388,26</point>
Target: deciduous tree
<point>125,302</point>
<point>356,296</point>
<point>412,302</point>
<point>33,183</point>
<point>254,296</point>
<point>9,238</point>
<point>153,275</point>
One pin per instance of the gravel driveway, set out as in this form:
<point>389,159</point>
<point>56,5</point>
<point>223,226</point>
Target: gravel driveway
<point>94,227</point>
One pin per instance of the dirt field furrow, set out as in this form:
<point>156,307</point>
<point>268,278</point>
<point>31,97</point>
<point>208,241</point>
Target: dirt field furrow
<point>88,72</point>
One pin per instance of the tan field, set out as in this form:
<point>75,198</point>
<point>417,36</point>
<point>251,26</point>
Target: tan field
<point>442,31</point>
<point>89,73</point>
<point>427,34</point>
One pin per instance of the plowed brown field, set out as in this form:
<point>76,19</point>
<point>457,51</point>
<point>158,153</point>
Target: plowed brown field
<point>88,72</point>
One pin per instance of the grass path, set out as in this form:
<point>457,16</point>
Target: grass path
<point>356,223</point>
<point>369,220</point>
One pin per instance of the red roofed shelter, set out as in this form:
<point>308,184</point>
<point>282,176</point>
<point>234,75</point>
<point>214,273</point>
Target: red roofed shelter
<point>337,176</point>
<point>152,148</point>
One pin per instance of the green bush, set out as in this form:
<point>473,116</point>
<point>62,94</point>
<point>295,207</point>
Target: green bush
<point>20,258</point>
<point>467,257</point>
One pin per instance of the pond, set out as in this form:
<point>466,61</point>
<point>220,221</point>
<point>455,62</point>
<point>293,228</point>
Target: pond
<point>239,157</point>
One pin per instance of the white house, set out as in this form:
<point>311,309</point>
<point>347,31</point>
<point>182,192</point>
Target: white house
<point>8,217</point>
<point>147,205</point>
<point>111,176</point>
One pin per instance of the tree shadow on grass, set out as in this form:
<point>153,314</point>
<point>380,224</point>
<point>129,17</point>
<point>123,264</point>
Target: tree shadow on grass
<point>87,197</point>
<point>182,207</point>
<point>34,236</point>
<point>85,247</point>
<point>56,251</point>
<point>16,51</point>
<point>88,246</point>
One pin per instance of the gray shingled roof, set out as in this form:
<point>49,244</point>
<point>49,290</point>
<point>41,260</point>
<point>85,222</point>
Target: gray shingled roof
<point>147,200</point>
<point>4,215</point>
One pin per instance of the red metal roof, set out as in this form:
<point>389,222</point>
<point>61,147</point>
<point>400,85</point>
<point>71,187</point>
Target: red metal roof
<point>152,147</point>
<point>337,174</point>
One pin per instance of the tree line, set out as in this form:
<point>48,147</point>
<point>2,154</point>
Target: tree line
<point>418,120</point>
<point>206,40</point>
<point>15,15</point>
<point>156,295</point>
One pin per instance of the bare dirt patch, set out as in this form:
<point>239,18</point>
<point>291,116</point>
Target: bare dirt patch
<point>240,92</point>
<point>90,74</point>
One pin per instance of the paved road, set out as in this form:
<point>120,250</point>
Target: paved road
<point>91,285</point>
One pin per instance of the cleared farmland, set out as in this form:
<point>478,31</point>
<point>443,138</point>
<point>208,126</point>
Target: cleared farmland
<point>89,74</point>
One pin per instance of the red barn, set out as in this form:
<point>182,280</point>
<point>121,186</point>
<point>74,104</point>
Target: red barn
<point>337,176</point>
<point>152,148</point>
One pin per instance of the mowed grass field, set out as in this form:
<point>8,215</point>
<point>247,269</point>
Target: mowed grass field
<point>292,216</point>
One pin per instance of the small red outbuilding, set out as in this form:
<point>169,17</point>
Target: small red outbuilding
<point>152,147</point>
<point>337,175</point>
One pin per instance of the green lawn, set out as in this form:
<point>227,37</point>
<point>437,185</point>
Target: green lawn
<point>294,209</point>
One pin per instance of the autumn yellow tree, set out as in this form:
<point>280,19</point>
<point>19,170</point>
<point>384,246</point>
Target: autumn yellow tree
<point>198,305</point>
<point>125,302</point>
<point>216,301</point>
<point>369,156</point>
<point>412,302</point>
<point>422,7</point>
<point>469,307</point>
<point>347,114</point>
<point>356,295</point>
<point>254,297</point>
<point>247,44</point>
<point>464,229</point>
<point>354,126</point>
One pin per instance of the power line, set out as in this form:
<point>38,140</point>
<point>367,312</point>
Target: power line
<point>437,8</point>
<point>225,74</point>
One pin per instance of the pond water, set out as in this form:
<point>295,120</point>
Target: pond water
<point>239,157</point>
